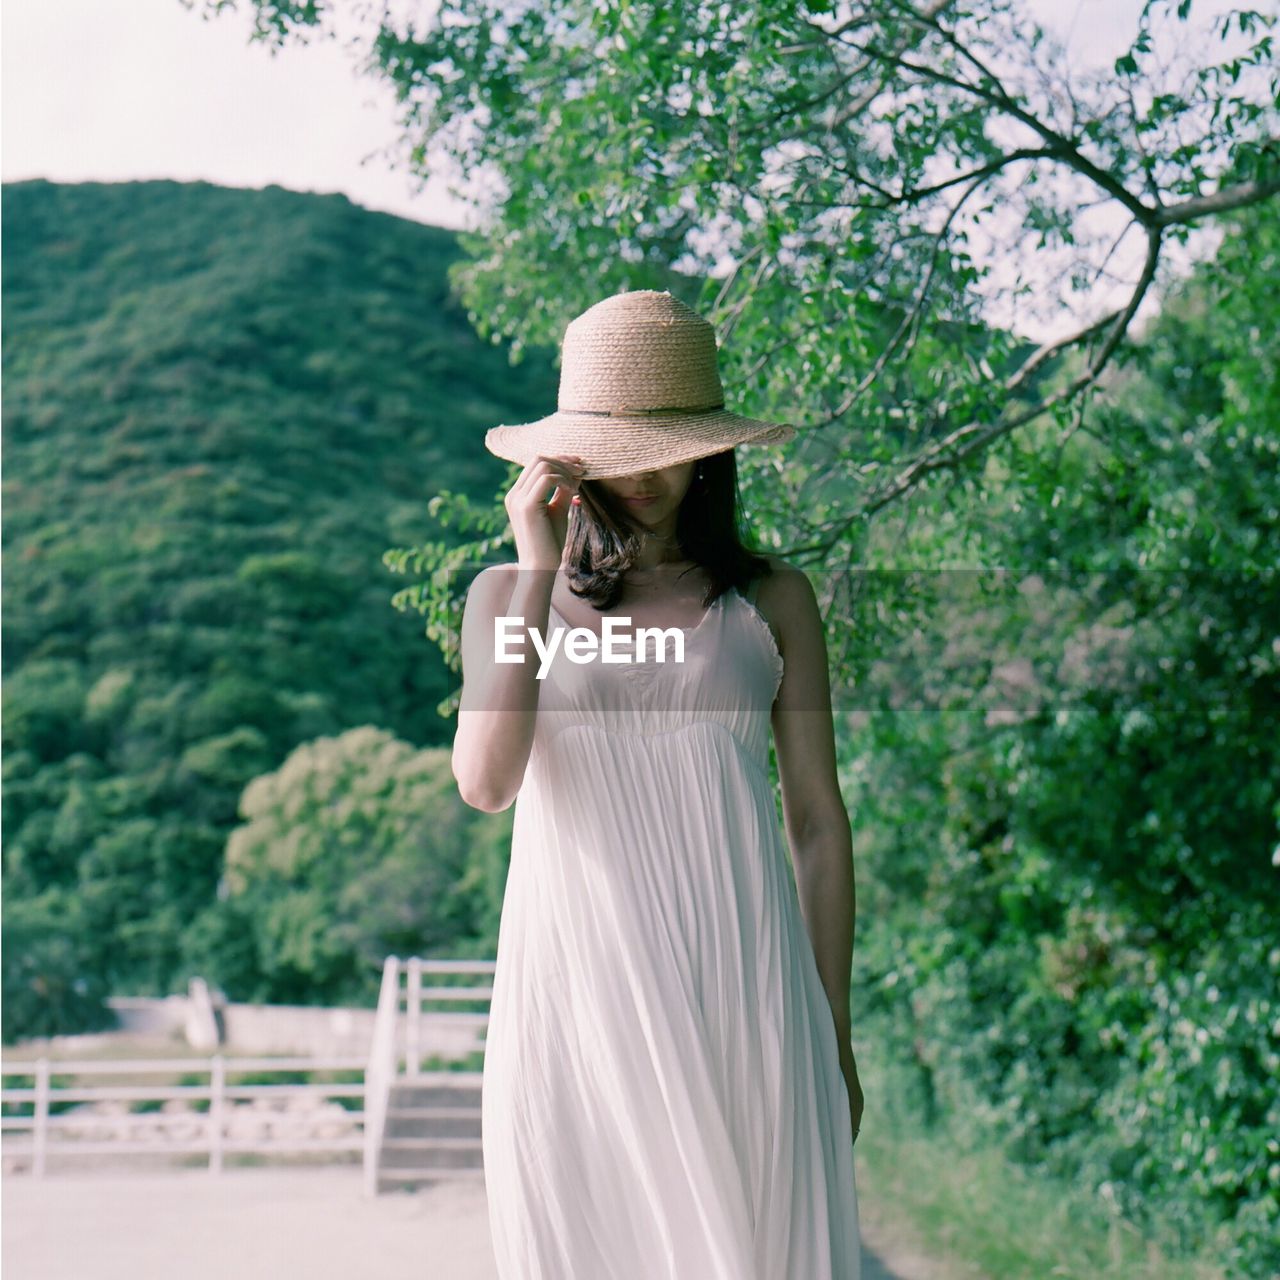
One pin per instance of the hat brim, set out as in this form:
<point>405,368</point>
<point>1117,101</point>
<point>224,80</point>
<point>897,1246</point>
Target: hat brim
<point>643,444</point>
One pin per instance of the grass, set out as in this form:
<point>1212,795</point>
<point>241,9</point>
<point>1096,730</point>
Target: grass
<point>470,1062</point>
<point>984,1218</point>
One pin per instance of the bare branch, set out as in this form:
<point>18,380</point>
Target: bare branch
<point>972,437</point>
<point>1066,148</point>
<point>908,320</point>
<point>723,292</point>
<point>1246,193</point>
<point>859,104</point>
<point>917,194</point>
<point>892,200</point>
<point>1038,357</point>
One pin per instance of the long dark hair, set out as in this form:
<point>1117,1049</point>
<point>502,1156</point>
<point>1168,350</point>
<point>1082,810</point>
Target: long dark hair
<point>604,542</point>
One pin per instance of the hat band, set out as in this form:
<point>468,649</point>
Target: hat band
<point>627,413</point>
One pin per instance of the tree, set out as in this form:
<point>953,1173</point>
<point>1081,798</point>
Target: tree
<point>356,847</point>
<point>1066,790</point>
<point>830,171</point>
<point>53,984</point>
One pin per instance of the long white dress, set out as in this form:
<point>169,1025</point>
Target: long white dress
<point>662,1095</point>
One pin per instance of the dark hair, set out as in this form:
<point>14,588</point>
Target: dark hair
<point>604,542</point>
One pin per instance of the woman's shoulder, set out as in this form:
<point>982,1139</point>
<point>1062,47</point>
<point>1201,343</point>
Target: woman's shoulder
<point>493,573</point>
<point>491,588</point>
<point>783,579</point>
<point>777,564</point>
<point>783,595</point>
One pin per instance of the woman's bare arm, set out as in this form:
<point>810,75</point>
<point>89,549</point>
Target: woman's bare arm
<point>813,808</point>
<point>499,701</point>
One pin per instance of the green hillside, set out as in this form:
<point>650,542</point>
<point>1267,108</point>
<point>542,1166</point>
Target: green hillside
<point>221,407</point>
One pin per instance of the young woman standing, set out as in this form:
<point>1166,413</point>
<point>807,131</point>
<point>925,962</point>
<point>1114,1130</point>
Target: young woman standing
<point>669,1085</point>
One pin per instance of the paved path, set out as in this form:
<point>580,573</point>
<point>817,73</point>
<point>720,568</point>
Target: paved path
<point>251,1224</point>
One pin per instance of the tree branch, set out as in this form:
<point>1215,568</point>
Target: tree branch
<point>1246,193</point>
<point>1064,147</point>
<point>968,439</point>
<point>1038,357</point>
<point>859,104</point>
<point>913,312</point>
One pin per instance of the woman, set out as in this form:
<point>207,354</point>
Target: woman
<point>669,1087</point>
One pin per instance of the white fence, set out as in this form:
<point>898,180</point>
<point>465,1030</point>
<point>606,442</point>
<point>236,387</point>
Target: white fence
<point>221,1127</point>
<point>220,1116</point>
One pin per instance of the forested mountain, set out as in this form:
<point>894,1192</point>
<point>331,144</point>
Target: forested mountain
<point>221,407</point>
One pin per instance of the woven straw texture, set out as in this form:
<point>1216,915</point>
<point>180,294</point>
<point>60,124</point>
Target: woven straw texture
<point>639,390</point>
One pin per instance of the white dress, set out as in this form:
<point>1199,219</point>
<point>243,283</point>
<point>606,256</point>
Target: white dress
<point>662,1095</point>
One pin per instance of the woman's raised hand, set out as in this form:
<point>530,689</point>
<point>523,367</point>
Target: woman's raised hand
<point>538,505</point>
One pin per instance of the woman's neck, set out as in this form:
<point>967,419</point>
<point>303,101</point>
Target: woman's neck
<point>659,548</point>
<point>660,560</point>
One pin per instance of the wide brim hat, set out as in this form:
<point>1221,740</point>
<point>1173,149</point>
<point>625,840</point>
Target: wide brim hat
<point>639,390</point>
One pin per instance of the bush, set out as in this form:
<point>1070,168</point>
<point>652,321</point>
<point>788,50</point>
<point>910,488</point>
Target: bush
<point>52,981</point>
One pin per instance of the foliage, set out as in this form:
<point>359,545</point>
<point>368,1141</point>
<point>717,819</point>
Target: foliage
<point>1068,795</point>
<point>356,848</point>
<point>1063,772</point>
<point>860,197</point>
<point>50,980</point>
<point>221,406</point>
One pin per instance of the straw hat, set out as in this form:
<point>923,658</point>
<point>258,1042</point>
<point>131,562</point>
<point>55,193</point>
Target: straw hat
<point>639,390</point>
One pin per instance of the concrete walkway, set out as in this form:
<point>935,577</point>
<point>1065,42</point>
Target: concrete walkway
<point>252,1224</point>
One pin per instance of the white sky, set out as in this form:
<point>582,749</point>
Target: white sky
<point>118,90</point>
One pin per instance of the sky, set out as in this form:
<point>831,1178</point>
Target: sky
<point>119,90</point>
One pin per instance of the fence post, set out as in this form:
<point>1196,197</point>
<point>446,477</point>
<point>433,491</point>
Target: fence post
<point>413,1031</point>
<point>217,1085</point>
<point>380,1071</point>
<point>40,1125</point>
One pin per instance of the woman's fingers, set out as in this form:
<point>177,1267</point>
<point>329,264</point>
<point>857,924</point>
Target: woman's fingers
<point>533,481</point>
<point>538,504</point>
<point>567,477</point>
<point>544,470</point>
